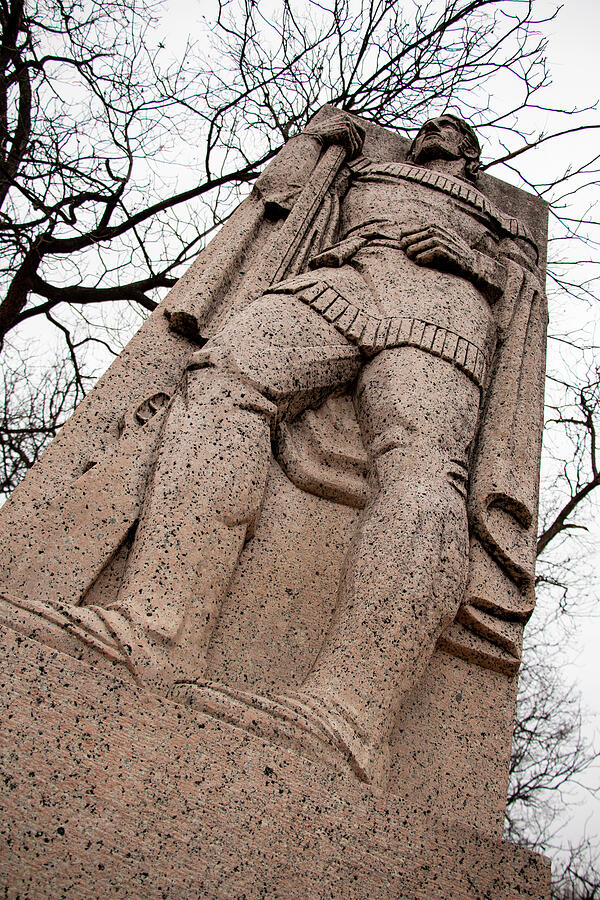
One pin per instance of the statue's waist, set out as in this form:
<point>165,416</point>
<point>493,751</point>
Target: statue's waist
<point>372,265</point>
<point>331,295</point>
<point>379,247</point>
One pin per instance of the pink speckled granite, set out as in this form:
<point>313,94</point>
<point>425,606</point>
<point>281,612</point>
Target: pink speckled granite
<point>298,514</point>
<point>113,793</point>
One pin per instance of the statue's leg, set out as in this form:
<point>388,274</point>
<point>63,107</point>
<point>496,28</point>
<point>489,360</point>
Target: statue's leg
<point>201,500</point>
<point>405,571</point>
<point>271,361</point>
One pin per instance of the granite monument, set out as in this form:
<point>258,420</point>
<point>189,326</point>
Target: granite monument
<point>302,506</point>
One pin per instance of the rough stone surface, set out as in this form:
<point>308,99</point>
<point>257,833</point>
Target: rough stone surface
<point>111,792</point>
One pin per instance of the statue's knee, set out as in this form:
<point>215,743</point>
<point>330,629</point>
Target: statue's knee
<point>396,441</point>
<point>214,375</point>
<point>394,451</point>
<point>405,459</point>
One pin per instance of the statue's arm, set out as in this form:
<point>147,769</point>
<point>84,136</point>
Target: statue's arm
<point>284,178</point>
<point>440,248</point>
<point>490,270</point>
<point>487,274</point>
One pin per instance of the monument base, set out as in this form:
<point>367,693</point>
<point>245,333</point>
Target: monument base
<point>113,792</point>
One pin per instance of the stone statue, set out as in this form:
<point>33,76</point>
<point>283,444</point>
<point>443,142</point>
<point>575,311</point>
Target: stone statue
<point>401,285</point>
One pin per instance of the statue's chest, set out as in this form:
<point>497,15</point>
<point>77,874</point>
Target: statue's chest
<point>411,205</point>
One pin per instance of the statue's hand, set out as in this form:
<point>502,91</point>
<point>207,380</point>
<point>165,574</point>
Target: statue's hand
<point>438,248</point>
<point>339,129</point>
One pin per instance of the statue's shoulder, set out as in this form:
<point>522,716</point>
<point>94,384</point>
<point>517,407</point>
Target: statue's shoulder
<point>364,168</point>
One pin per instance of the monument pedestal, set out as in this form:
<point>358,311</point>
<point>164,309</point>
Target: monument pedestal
<point>114,792</point>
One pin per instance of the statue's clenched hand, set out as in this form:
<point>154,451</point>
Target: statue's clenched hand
<point>438,248</point>
<point>339,129</point>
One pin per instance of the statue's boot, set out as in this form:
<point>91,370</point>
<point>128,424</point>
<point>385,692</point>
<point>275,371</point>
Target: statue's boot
<point>205,494</point>
<point>304,724</point>
<point>200,507</point>
<point>96,636</point>
<point>401,586</point>
<point>367,756</point>
<point>104,638</point>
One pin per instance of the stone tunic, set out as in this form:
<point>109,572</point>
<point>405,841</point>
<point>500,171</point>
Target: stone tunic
<point>378,297</point>
<point>393,205</point>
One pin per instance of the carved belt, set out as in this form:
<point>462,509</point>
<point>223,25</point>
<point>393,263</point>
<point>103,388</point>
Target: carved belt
<point>373,333</point>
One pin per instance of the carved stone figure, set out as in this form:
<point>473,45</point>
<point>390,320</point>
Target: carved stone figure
<point>398,284</point>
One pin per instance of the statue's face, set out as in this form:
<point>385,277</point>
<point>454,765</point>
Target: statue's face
<point>438,139</point>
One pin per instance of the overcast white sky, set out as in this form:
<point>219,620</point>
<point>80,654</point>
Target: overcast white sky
<point>575,65</point>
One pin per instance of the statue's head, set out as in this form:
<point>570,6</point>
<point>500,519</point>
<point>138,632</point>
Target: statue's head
<point>447,137</point>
